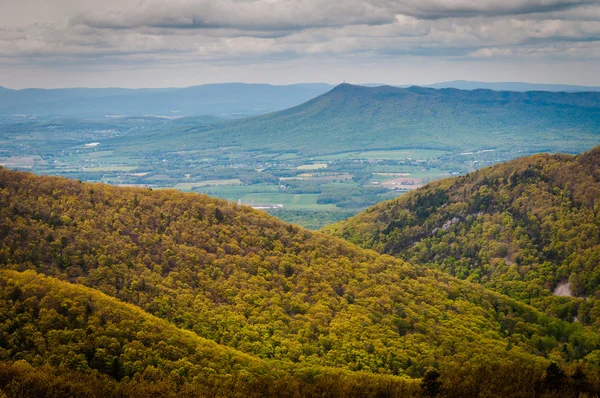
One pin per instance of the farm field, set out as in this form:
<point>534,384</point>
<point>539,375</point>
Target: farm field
<point>286,156</point>
<point>24,162</point>
<point>236,191</point>
<point>189,186</point>
<point>313,166</point>
<point>110,168</point>
<point>404,154</point>
<point>313,189</point>
<point>289,201</point>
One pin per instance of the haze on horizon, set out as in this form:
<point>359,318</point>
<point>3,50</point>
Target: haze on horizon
<point>152,43</point>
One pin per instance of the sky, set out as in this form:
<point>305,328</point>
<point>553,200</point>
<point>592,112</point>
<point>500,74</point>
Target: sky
<point>175,43</point>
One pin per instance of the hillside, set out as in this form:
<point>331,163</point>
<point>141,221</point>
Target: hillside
<point>225,99</point>
<point>521,228</point>
<point>250,282</point>
<point>59,327</point>
<point>357,118</point>
<point>60,339</point>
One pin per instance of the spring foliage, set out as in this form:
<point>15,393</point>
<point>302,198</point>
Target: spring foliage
<point>60,328</point>
<point>253,284</point>
<point>520,228</point>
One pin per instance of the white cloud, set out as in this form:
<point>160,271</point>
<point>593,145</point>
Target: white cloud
<point>491,52</point>
<point>122,33</point>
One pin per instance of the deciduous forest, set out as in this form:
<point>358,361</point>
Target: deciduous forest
<point>158,289</point>
<point>521,228</point>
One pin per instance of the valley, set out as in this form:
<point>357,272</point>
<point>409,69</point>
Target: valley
<point>253,300</point>
<point>322,169</point>
<point>299,199</point>
<point>336,185</point>
<point>268,302</point>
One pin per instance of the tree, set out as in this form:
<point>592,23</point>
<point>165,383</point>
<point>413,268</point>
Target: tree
<point>555,377</point>
<point>577,287</point>
<point>430,385</point>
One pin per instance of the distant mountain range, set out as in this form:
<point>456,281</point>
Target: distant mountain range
<point>226,100</point>
<point>229,100</point>
<point>355,117</point>
<point>511,86</point>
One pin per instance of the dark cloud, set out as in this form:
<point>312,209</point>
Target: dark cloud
<point>244,15</point>
<point>437,9</point>
<point>285,15</point>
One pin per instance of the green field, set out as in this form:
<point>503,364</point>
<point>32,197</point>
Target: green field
<point>289,201</point>
<point>265,194</point>
<point>110,168</point>
<point>96,154</point>
<point>400,154</point>
<point>188,186</point>
<point>236,191</point>
<point>286,156</point>
<point>382,178</point>
<point>245,196</point>
<point>314,166</point>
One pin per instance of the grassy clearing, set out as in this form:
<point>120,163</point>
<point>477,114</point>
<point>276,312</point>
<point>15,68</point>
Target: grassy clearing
<point>188,186</point>
<point>289,201</point>
<point>382,178</point>
<point>92,154</point>
<point>424,176</point>
<point>286,156</point>
<point>236,191</point>
<point>314,166</point>
<point>401,154</point>
<point>110,168</point>
<point>416,154</point>
<point>263,156</point>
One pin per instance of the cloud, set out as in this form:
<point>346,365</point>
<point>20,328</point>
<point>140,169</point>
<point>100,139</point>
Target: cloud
<point>243,15</point>
<point>121,33</point>
<point>305,14</point>
<point>437,9</point>
<point>491,52</point>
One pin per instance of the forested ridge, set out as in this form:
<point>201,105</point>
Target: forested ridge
<point>62,327</point>
<point>250,282</point>
<point>350,118</point>
<point>520,228</point>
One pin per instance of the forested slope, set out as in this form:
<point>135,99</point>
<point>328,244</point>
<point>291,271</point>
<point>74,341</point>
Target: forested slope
<point>520,228</point>
<point>351,118</point>
<point>59,327</point>
<point>248,281</point>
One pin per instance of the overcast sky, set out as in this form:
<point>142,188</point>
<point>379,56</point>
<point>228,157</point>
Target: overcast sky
<point>160,43</point>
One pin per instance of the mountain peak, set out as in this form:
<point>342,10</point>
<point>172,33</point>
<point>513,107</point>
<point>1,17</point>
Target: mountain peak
<point>355,89</point>
<point>347,87</point>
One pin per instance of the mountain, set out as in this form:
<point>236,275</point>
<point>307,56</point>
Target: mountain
<point>522,228</point>
<point>227,99</point>
<point>512,86</point>
<point>250,282</point>
<point>357,118</point>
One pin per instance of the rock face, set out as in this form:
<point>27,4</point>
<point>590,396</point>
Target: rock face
<point>563,289</point>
